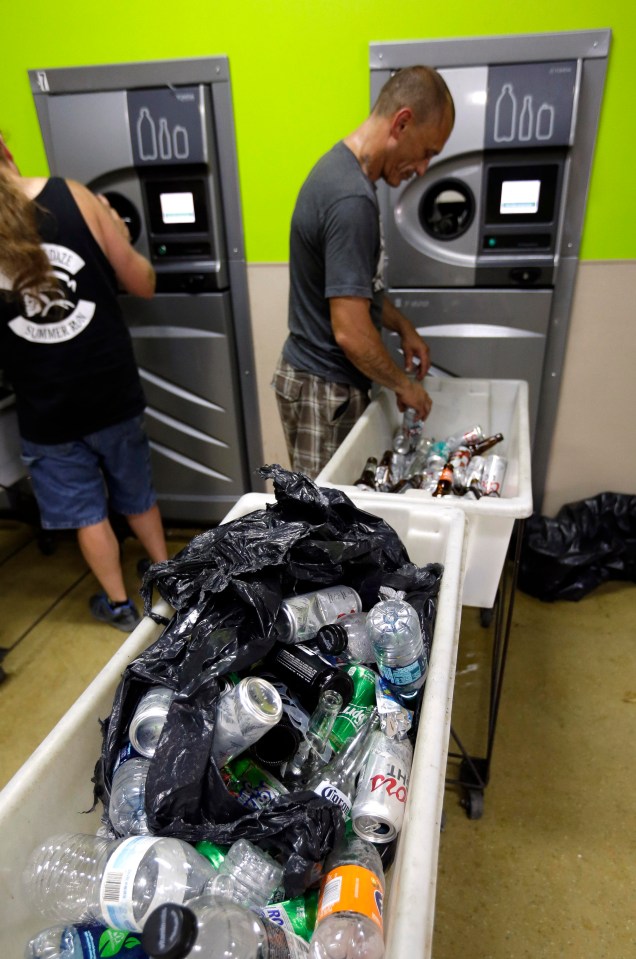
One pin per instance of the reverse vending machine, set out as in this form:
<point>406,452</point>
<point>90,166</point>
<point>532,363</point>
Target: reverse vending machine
<point>481,252</point>
<point>158,140</point>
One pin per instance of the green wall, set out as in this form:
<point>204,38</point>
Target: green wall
<point>300,80</point>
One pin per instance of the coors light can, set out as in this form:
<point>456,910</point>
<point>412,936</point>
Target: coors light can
<point>378,808</point>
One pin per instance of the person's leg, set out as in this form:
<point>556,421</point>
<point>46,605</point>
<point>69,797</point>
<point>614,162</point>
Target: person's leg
<point>327,412</point>
<point>148,529</point>
<point>100,549</point>
<point>287,384</point>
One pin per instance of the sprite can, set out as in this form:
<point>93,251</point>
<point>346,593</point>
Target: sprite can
<point>251,785</point>
<point>352,717</point>
<point>215,854</point>
<point>294,915</point>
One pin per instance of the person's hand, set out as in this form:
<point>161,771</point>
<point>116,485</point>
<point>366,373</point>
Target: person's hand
<point>414,348</point>
<point>414,396</point>
<point>117,220</point>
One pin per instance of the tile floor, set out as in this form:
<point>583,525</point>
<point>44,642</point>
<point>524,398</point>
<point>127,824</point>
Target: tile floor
<point>548,871</point>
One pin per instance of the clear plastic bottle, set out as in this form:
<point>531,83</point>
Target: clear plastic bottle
<point>349,922</point>
<point>73,877</point>
<point>210,926</point>
<point>83,942</point>
<point>337,780</point>
<point>308,757</point>
<point>127,806</point>
<point>244,713</point>
<point>247,875</point>
<point>348,639</point>
<point>396,635</point>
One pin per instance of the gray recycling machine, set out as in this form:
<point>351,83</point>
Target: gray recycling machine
<point>482,252</point>
<point>158,140</point>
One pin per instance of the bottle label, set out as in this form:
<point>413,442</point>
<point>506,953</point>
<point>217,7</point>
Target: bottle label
<point>351,888</point>
<point>291,916</point>
<point>283,945</point>
<point>117,886</point>
<point>328,791</point>
<point>403,675</point>
<point>98,943</point>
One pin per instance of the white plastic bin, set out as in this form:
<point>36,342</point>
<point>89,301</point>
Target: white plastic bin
<point>49,792</point>
<point>498,406</point>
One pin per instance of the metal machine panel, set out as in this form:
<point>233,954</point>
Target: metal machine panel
<point>74,113</point>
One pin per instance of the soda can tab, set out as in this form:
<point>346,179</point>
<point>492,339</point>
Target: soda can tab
<point>493,474</point>
<point>252,786</point>
<point>377,813</point>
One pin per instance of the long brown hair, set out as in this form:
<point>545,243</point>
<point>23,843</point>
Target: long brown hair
<point>22,259</point>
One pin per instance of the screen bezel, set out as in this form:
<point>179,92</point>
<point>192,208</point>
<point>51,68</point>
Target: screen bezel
<point>496,175</point>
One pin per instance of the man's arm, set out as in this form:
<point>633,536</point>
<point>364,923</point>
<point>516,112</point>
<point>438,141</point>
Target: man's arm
<point>362,344</point>
<point>133,270</point>
<point>413,346</point>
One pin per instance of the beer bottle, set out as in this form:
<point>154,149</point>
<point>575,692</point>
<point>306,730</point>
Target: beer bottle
<point>482,446</point>
<point>367,479</point>
<point>383,479</point>
<point>408,482</point>
<point>445,482</point>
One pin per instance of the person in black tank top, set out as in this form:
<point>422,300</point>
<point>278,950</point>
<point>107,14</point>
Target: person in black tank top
<point>68,354</point>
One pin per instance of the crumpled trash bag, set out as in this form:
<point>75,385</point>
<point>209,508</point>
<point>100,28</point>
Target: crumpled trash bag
<point>226,587</point>
<point>586,544</point>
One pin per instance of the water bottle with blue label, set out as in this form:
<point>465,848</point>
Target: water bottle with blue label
<point>396,635</point>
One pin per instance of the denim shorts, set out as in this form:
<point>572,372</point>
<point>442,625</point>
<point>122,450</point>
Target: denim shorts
<point>76,484</point>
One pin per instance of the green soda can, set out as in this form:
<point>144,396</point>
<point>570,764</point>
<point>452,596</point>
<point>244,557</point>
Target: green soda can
<point>294,915</point>
<point>251,785</point>
<point>350,720</point>
<point>216,854</point>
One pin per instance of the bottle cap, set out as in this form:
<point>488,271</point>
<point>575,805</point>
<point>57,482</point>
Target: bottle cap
<point>170,932</point>
<point>331,639</point>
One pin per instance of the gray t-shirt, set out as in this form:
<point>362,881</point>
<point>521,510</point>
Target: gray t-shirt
<point>335,250</point>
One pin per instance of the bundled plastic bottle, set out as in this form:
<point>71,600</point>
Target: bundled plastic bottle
<point>84,942</point>
<point>75,877</point>
<point>399,649</point>
<point>247,875</point>
<point>127,806</point>
<point>209,927</point>
<point>349,921</point>
<point>337,780</point>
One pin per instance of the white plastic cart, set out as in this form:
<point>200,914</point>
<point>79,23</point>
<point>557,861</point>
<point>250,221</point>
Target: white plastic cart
<point>49,792</point>
<point>498,406</point>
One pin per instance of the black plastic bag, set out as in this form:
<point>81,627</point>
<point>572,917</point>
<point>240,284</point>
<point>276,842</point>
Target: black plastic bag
<point>226,587</point>
<point>586,544</point>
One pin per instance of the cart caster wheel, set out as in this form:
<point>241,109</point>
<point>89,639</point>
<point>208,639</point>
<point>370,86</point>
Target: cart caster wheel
<point>485,617</point>
<point>474,803</point>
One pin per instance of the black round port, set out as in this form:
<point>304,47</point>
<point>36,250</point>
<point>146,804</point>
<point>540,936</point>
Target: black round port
<point>447,209</point>
<point>127,211</point>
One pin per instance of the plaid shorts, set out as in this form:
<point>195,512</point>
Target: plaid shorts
<point>316,415</point>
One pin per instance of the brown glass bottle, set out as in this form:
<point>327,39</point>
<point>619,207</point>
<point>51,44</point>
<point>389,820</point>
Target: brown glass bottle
<point>407,482</point>
<point>445,481</point>
<point>367,480</point>
<point>481,446</point>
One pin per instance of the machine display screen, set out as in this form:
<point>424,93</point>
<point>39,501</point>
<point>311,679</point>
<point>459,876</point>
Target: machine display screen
<point>519,196</point>
<point>177,208</point>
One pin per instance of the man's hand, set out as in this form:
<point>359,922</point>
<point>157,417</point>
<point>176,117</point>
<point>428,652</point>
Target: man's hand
<point>415,397</point>
<point>413,346</point>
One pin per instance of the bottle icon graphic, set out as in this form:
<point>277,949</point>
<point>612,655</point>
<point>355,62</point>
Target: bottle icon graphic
<point>545,121</point>
<point>505,115</point>
<point>146,135</point>
<point>165,144</point>
<point>525,120</point>
<point>180,143</point>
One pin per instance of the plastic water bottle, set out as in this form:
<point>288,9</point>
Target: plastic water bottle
<point>209,927</point>
<point>348,639</point>
<point>396,635</point>
<point>75,877</point>
<point>127,806</point>
<point>84,942</point>
<point>349,923</point>
<point>247,875</point>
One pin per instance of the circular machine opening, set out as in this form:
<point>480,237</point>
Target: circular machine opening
<point>127,211</point>
<point>447,209</point>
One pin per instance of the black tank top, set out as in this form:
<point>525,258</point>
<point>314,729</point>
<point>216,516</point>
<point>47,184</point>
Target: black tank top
<point>71,364</point>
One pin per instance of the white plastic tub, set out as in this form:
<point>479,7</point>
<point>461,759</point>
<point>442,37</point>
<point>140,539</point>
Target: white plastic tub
<point>498,406</point>
<point>49,792</point>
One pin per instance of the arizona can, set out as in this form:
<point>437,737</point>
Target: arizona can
<point>377,813</point>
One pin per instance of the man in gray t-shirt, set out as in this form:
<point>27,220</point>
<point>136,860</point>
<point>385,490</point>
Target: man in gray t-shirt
<point>334,350</point>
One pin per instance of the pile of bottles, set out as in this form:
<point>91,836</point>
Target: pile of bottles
<point>330,711</point>
<point>455,464</point>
